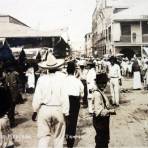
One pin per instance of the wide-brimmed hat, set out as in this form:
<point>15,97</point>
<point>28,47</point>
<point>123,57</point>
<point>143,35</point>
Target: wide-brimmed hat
<point>51,62</point>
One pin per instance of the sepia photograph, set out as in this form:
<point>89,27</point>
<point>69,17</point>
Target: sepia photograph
<point>73,73</point>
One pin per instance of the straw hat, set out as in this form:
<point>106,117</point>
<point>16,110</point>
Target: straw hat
<point>51,62</point>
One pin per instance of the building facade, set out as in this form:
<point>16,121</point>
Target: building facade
<point>129,33</point>
<point>100,20</point>
<point>119,29</point>
<point>88,44</point>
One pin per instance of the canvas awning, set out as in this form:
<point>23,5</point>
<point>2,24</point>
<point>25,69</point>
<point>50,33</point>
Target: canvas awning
<point>18,35</point>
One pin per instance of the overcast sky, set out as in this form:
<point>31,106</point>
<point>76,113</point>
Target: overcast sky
<point>52,14</point>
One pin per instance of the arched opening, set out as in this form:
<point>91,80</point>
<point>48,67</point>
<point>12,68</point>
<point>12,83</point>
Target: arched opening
<point>128,52</point>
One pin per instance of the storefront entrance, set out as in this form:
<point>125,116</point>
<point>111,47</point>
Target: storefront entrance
<point>129,52</point>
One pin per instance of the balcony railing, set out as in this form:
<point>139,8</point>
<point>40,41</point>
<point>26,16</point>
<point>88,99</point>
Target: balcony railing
<point>126,38</point>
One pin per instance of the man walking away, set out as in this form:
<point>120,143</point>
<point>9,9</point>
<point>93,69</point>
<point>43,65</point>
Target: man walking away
<point>75,91</point>
<point>51,103</point>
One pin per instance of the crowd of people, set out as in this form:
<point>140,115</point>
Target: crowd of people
<point>60,92</point>
<point>83,81</point>
<point>60,88</point>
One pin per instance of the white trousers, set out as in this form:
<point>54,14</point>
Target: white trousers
<point>137,80</point>
<point>114,88</point>
<point>51,127</point>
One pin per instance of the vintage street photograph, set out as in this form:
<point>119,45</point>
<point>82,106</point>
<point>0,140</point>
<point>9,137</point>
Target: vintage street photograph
<point>73,74</point>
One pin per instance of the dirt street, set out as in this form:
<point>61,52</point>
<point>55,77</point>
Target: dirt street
<point>129,128</point>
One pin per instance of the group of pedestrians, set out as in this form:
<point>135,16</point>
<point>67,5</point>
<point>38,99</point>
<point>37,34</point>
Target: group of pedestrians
<point>60,91</point>
<point>137,69</point>
<point>57,102</point>
<point>57,99</point>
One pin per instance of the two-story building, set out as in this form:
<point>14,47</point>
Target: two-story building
<point>129,34</point>
<point>101,21</point>
<point>119,29</point>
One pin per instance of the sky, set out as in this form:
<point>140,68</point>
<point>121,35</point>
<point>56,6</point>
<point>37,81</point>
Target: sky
<point>51,14</point>
<point>54,14</point>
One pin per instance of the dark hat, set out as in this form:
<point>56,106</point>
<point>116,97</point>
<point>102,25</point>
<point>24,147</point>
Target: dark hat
<point>112,58</point>
<point>91,63</point>
<point>101,78</point>
<point>71,66</point>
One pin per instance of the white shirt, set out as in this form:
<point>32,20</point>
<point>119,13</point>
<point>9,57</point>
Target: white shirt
<point>31,78</point>
<point>74,86</point>
<point>91,76</point>
<point>82,62</point>
<point>50,90</point>
<point>114,71</point>
<point>83,74</point>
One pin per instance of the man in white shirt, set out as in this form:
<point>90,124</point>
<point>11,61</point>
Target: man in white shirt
<point>91,76</point>
<point>115,79</point>
<point>75,90</point>
<point>82,76</point>
<point>51,103</point>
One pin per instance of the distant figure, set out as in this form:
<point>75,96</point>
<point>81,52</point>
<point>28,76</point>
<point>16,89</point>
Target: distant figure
<point>115,80</point>
<point>136,75</point>
<point>145,73</point>
<point>129,69</point>
<point>30,80</point>
<point>22,60</point>
<point>22,64</point>
<point>82,76</point>
<point>38,57</point>
<point>91,76</point>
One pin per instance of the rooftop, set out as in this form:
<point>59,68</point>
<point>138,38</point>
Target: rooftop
<point>133,13</point>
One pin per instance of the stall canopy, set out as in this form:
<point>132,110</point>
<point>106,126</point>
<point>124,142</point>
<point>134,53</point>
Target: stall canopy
<point>21,35</point>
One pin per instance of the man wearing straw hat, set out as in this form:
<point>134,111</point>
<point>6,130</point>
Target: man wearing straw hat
<point>51,103</point>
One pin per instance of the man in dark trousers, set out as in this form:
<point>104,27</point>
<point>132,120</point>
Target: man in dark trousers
<point>75,90</point>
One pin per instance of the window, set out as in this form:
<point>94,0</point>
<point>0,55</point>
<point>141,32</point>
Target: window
<point>144,27</point>
<point>125,29</point>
